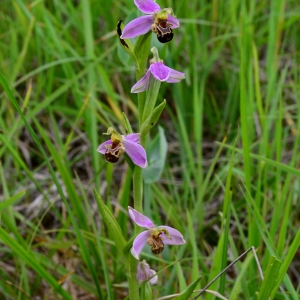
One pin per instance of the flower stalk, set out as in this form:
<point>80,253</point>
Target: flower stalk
<point>133,285</point>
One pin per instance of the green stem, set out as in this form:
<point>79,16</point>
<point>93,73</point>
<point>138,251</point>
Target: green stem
<point>146,103</point>
<point>138,183</point>
<point>141,103</point>
<point>133,284</point>
<point>149,104</point>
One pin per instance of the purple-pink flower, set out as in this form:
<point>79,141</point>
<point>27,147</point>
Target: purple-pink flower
<point>160,72</point>
<point>155,236</point>
<point>119,144</point>
<point>144,273</point>
<point>158,20</point>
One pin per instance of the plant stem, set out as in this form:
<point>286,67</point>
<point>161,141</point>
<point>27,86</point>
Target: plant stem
<point>132,282</point>
<point>138,184</point>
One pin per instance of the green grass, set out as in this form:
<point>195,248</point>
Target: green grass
<point>231,177</point>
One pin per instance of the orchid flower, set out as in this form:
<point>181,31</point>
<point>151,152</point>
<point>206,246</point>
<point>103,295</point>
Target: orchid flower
<point>160,72</point>
<point>118,144</point>
<point>160,21</point>
<point>155,236</point>
<point>144,273</point>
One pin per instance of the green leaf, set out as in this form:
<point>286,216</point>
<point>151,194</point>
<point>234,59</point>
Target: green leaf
<point>10,201</point>
<point>153,118</point>
<point>185,295</point>
<point>270,278</point>
<point>146,291</point>
<point>156,157</point>
<point>111,224</point>
<point>29,257</point>
<point>83,247</point>
<point>282,276</point>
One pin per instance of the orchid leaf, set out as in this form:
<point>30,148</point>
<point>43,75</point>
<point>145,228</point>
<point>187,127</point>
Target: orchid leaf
<point>111,224</point>
<point>153,118</point>
<point>156,157</point>
<point>146,291</point>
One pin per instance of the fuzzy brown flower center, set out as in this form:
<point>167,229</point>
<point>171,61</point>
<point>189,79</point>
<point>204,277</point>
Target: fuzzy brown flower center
<point>155,241</point>
<point>114,151</point>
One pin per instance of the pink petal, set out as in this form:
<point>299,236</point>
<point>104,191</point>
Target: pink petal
<point>142,84</point>
<point>139,219</point>
<point>175,76</point>
<point>138,26</point>
<point>102,149</point>
<point>139,243</point>
<point>173,21</point>
<point>144,273</point>
<point>160,71</point>
<point>176,236</point>
<point>133,137</point>
<point>154,279</point>
<point>136,152</point>
<point>147,6</point>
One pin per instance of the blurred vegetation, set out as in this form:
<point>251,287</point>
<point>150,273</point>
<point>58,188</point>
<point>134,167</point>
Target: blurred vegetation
<point>231,178</point>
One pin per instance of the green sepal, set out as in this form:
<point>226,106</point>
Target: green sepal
<point>111,224</point>
<point>146,291</point>
<point>126,124</point>
<point>270,278</point>
<point>185,295</point>
<point>153,118</point>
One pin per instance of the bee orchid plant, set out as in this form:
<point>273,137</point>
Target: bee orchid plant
<point>161,22</point>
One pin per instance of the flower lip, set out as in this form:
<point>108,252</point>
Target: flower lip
<point>113,151</point>
<point>164,32</point>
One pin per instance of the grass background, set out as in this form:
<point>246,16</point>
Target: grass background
<point>231,177</point>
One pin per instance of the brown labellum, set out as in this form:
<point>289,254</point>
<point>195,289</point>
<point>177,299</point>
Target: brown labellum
<point>164,31</point>
<point>156,243</point>
<point>111,157</point>
<point>113,152</point>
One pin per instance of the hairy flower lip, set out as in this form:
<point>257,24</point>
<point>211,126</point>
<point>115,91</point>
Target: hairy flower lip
<point>168,235</point>
<point>142,25</point>
<point>160,72</point>
<point>130,145</point>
